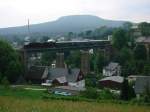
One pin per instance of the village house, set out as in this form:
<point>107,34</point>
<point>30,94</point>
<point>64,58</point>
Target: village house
<point>113,69</point>
<point>63,77</point>
<point>55,76</point>
<point>66,81</point>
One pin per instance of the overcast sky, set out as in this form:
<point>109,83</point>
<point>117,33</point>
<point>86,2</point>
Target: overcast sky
<point>16,12</point>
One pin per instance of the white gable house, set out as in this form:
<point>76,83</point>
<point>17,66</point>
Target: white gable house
<point>113,69</point>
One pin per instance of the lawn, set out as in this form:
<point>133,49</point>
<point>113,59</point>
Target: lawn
<point>19,92</point>
<point>20,100</point>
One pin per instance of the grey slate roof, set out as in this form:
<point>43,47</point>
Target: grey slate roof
<point>141,84</point>
<point>118,79</point>
<point>71,75</point>
<point>143,40</point>
<point>62,79</point>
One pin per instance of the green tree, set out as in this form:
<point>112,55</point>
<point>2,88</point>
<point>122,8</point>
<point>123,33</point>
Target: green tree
<point>126,59</point>
<point>73,60</point>
<point>140,66</point>
<point>140,52</point>
<point>5,82</point>
<point>47,58</point>
<point>120,39</point>
<point>90,93</point>
<point>146,94</point>
<point>127,26</point>
<point>128,68</point>
<point>10,66</point>
<point>124,55</point>
<point>103,32</point>
<point>99,62</point>
<point>144,28</point>
<point>146,69</point>
<point>91,80</point>
<point>127,91</point>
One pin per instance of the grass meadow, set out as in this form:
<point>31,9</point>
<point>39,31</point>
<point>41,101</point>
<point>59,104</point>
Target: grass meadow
<point>12,104</point>
<point>19,100</point>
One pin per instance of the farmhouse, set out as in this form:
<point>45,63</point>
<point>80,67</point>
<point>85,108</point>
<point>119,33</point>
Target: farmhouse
<point>55,76</point>
<point>63,77</point>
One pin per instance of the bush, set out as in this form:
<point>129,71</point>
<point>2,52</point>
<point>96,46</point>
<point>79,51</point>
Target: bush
<point>5,82</point>
<point>90,93</point>
<point>146,94</point>
<point>127,92</point>
<point>106,94</point>
<point>10,65</point>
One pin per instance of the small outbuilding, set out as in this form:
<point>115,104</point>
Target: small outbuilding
<point>113,82</point>
<point>141,84</point>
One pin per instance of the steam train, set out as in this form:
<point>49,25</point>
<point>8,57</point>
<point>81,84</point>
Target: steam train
<point>53,44</point>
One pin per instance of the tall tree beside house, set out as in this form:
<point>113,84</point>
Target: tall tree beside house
<point>140,52</point>
<point>47,58</point>
<point>10,66</point>
<point>147,69</point>
<point>126,59</point>
<point>127,91</point>
<point>74,59</point>
<point>147,94</point>
<point>99,62</point>
<point>124,55</point>
<point>129,68</point>
<point>120,39</point>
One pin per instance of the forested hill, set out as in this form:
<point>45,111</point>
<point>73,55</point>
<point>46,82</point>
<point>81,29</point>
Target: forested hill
<point>75,23</point>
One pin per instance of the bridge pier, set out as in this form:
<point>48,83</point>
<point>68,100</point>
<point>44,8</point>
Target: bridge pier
<point>25,57</point>
<point>60,60</point>
<point>85,62</point>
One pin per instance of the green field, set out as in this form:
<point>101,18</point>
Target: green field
<point>19,100</point>
<point>11,104</point>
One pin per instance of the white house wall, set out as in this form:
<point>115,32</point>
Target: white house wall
<point>77,84</point>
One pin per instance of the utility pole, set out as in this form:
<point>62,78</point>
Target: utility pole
<point>29,28</point>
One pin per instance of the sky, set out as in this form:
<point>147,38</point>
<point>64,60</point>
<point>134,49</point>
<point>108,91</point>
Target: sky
<point>17,12</point>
